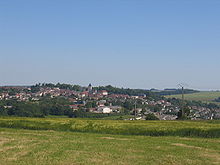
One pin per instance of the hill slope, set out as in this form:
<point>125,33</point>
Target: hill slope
<point>206,97</point>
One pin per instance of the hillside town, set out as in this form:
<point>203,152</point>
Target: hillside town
<point>97,101</point>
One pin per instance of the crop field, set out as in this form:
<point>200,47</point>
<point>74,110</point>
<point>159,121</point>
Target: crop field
<point>206,97</point>
<point>56,141</point>
<point>121,127</point>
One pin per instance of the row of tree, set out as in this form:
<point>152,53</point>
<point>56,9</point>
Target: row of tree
<point>44,107</point>
<point>36,88</point>
<point>173,91</point>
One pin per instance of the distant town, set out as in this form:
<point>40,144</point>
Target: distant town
<point>105,102</point>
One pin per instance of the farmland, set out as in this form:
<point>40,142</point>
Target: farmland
<point>121,127</point>
<point>82,141</point>
<point>19,146</point>
<point>206,97</point>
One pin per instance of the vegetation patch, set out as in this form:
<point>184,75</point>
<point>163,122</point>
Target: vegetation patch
<point>208,129</point>
<point>206,97</point>
<point>58,147</point>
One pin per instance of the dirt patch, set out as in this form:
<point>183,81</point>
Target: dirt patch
<point>214,156</point>
<point>18,155</point>
<point>185,138</point>
<point>5,140</point>
<point>194,147</point>
<point>99,158</point>
<point>112,138</point>
<point>38,134</point>
<point>6,149</point>
<point>208,153</point>
<point>187,146</point>
<point>158,147</point>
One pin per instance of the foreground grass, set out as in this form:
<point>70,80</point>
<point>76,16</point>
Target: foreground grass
<point>208,129</point>
<point>25,147</point>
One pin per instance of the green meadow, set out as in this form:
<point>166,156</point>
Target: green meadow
<point>206,97</point>
<point>65,141</point>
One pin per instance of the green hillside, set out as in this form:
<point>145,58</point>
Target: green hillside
<point>206,97</point>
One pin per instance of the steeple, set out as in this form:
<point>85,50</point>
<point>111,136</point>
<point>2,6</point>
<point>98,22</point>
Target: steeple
<point>90,87</point>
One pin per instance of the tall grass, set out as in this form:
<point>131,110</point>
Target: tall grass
<point>208,129</point>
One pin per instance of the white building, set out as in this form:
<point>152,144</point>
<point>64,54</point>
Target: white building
<point>104,92</point>
<point>104,110</point>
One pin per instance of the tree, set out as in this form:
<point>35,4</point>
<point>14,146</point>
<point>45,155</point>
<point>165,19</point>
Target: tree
<point>217,100</point>
<point>151,116</point>
<point>184,116</point>
<point>3,111</point>
<point>90,104</point>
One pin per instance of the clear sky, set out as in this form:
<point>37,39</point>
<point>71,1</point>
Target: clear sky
<point>125,43</point>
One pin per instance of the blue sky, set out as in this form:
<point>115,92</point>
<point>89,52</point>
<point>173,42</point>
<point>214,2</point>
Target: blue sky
<point>125,43</point>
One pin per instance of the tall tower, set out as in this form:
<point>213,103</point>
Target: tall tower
<point>90,87</point>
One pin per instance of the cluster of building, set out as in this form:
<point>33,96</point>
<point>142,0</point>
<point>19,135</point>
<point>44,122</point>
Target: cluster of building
<point>106,103</point>
<point>204,113</point>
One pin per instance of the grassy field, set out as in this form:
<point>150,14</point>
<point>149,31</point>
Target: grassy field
<point>206,97</point>
<point>148,128</point>
<point>65,141</point>
<point>27,147</point>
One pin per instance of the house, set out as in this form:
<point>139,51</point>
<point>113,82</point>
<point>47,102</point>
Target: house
<point>7,107</point>
<point>84,94</point>
<point>93,110</point>
<point>101,103</point>
<point>74,107</point>
<point>103,92</point>
<point>115,108</point>
<point>139,110</point>
<point>104,110</point>
<point>135,97</point>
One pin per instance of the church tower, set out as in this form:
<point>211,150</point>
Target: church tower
<point>90,87</point>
